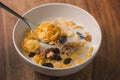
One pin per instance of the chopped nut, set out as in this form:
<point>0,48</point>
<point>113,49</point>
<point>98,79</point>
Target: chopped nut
<point>88,38</point>
<point>50,54</point>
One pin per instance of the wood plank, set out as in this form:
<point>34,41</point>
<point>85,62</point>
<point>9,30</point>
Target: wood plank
<point>2,49</point>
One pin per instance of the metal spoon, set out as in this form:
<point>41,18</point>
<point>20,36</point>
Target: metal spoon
<point>30,25</point>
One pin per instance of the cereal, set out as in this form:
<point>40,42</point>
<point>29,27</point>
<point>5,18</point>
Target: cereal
<point>78,26</point>
<point>69,41</point>
<point>79,61</point>
<point>36,58</point>
<point>30,45</point>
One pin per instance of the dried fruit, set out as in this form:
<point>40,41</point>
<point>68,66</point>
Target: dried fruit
<point>57,57</point>
<point>62,53</point>
<point>80,35</point>
<point>63,39</point>
<point>48,50</point>
<point>48,64</point>
<point>67,61</point>
<point>31,54</point>
<point>55,50</point>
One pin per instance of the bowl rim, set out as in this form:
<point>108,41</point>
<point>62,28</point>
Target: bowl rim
<point>63,4</point>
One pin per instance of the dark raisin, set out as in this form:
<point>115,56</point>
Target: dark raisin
<point>67,61</point>
<point>80,35</point>
<point>56,50</point>
<point>57,57</point>
<point>62,53</point>
<point>48,64</point>
<point>63,39</point>
<point>31,54</point>
<point>48,50</point>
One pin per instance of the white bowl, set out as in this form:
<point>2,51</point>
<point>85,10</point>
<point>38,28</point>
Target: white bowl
<point>56,10</point>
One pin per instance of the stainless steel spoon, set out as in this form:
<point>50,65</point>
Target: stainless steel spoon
<point>30,25</point>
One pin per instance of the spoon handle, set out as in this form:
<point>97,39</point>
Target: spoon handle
<point>31,26</point>
<point>10,10</point>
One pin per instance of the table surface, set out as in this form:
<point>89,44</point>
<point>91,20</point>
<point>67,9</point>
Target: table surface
<point>105,66</point>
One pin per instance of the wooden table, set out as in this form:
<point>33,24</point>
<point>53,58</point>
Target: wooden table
<point>105,66</point>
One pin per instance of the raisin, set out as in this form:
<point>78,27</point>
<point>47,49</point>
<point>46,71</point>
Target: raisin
<point>80,35</point>
<point>67,61</point>
<point>48,64</point>
<point>31,54</point>
<point>63,39</point>
<point>56,50</point>
<point>57,57</point>
<point>62,53</point>
<point>48,50</point>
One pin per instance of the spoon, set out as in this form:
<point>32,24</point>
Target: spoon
<point>30,25</point>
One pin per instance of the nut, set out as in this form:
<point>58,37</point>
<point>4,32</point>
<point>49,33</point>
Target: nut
<point>50,54</point>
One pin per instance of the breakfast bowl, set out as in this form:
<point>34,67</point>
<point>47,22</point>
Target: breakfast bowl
<point>57,10</point>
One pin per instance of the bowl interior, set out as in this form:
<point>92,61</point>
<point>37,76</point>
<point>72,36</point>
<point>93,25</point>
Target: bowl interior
<point>41,13</point>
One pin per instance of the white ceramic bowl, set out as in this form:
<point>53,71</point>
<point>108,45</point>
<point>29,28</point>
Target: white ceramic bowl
<point>56,10</point>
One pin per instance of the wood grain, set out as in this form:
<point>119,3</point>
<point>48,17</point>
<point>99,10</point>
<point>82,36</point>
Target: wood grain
<point>105,66</point>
